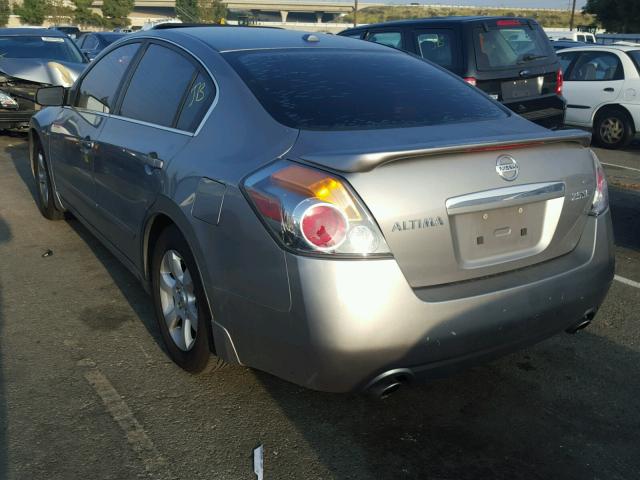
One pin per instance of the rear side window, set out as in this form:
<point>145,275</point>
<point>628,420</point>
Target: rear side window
<point>98,88</point>
<point>196,103</point>
<point>510,44</point>
<point>596,66</point>
<point>635,56</point>
<point>390,39</point>
<point>436,46</point>
<point>354,89</point>
<point>158,86</point>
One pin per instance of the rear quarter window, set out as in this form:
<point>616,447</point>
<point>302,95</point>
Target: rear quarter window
<point>326,89</point>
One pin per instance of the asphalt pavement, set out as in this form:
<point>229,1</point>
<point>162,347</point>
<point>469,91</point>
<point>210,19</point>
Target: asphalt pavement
<point>87,391</point>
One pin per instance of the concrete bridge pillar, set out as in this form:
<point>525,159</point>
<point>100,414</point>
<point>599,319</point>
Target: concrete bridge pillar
<point>284,14</point>
<point>319,16</point>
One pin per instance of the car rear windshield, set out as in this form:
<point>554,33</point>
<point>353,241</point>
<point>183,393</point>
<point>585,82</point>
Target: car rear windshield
<point>40,46</point>
<point>331,89</point>
<point>510,43</point>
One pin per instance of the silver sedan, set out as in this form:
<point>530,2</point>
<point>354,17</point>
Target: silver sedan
<point>335,212</point>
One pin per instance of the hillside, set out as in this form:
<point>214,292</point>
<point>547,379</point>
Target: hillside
<point>547,18</point>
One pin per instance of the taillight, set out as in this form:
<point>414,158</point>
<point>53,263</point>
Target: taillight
<point>311,211</point>
<point>470,80</point>
<point>559,82</point>
<point>601,195</point>
<point>508,23</point>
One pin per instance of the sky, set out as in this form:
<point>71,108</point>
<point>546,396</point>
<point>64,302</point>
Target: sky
<point>564,4</point>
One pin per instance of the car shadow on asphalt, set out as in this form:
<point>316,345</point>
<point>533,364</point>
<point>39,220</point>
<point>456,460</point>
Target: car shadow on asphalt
<point>5,236</point>
<point>566,408</point>
<point>128,285</point>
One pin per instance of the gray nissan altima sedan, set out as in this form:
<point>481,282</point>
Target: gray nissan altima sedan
<point>335,212</point>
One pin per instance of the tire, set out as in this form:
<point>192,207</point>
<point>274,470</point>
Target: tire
<point>612,129</point>
<point>180,303</point>
<point>44,188</point>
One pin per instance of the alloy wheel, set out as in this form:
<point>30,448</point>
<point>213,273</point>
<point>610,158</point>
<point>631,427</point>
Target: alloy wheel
<point>178,300</point>
<point>611,130</point>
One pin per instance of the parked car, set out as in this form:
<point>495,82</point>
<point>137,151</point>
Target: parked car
<point>563,44</point>
<point>69,30</point>
<point>508,58</point>
<point>602,88</point>
<point>92,43</point>
<point>574,35</point>
<point>31,58</point>
<point>337,213</point>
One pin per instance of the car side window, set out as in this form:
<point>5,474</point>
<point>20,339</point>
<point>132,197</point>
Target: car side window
<point>436,46</point>
<point>196,103</point>
<point>90,43</point>
<point>581,38</point>
<point>565,60</point>
<point>155,92</point>
<point>97,91</point>
<point>391,39</point>
<point>596,67</point>
<point>353,35</point>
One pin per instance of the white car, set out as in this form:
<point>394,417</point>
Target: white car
<point>602,88</point>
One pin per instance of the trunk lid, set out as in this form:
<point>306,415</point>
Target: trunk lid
<point>452,211</point>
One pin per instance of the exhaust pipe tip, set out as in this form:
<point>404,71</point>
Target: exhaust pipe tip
<point>388,383</point>
<point>584,323</point>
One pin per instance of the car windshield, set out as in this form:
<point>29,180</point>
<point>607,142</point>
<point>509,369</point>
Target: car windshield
<point>510,43</point>
<point>109,39</point>
<point>40,46</point>
<point>327,89</point>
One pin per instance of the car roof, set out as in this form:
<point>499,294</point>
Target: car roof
<point>225,39</point>
<point>450,19</point>
<point>18,32</point>
<point>619,48</point>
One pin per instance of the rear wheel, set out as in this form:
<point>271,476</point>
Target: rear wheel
<point>613,129</point>
<point>44,191</point>
<point>181,311</point>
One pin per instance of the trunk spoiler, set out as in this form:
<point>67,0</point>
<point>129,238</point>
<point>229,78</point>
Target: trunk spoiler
<point>351,162</point>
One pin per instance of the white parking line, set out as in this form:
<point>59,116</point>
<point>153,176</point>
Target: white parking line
<point>626,281</point>
<point>620,166</point>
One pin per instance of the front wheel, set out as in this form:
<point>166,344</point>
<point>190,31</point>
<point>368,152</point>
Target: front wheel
<point>181,310</point>
<point>612,129</point>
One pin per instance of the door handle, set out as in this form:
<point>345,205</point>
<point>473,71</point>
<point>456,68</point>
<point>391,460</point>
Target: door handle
<point>87,144</point>
<point>151,159</point>
<point>608,89</point>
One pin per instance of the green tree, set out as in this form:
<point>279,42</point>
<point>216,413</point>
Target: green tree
<point>620,16</point>
<point>188,10</point>
<point>83,15</point>
<point>212,11</point>
<point>116,12</point>
<point>32,12</point>
<point>59,12</point>
<point>5,11</point>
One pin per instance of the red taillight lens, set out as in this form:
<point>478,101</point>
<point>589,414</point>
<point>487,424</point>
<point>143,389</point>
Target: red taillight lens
<point>311,211</point>
<point>470,80</point>
<point>601,195</point>
<point>559,82</point>
<point>323,226</point>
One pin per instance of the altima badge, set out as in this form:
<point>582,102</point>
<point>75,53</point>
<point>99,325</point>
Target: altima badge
<point>507,167</point>
<point>417,224</point>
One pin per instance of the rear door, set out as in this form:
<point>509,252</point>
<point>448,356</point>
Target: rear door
<point>594,78</point>
<point>159,112</point>
<point>75,133</point>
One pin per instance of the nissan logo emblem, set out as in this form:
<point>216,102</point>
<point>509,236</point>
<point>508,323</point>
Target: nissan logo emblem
<point>507,167</point>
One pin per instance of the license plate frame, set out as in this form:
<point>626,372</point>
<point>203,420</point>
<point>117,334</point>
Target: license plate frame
<point>517,89</point>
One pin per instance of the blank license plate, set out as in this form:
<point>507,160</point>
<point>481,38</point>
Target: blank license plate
<point>520,88</point>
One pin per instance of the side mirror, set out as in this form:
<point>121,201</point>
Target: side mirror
<point>51,96</point>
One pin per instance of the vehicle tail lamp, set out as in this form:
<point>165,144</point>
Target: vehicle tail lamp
<point>601,195</point>
<point>508,23</point>
<point>471,80</point>
<point>312,211</point>
<point>559,82</point>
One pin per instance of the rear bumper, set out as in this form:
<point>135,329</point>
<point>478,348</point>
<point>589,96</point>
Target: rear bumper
<point>13,118</point>
<point>351,321</point>
<point>547,111</point>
